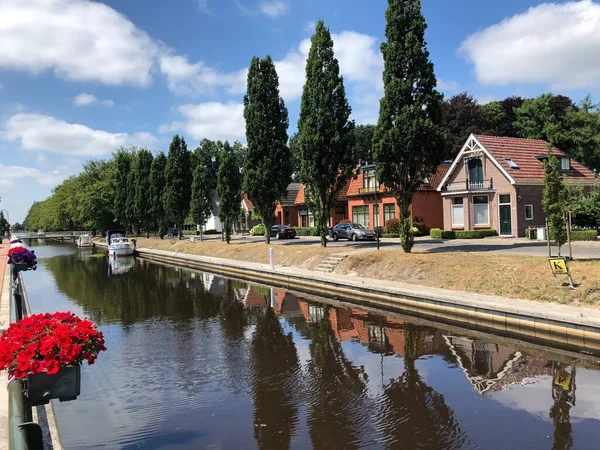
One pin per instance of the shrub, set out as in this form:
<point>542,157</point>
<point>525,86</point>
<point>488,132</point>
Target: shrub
<point>584,235</point>
<point>419,224</point>
<point>258,230</point>
<point>393,226</point>
<point>211,231</point>
<point>436,233</point>
<point>307,231</point>
<point>390,235</point>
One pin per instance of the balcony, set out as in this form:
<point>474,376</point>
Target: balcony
<point>368,190</point>
<point>485,185</point>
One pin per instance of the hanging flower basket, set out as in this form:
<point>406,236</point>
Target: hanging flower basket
<point>21,258</point>
<point>47,350</point>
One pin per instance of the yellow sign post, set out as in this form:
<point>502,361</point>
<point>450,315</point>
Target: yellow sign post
<point>559,266</point>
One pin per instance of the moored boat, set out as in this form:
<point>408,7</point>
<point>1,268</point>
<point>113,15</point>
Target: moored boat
<point>85,240</point>
<point>118,243</point>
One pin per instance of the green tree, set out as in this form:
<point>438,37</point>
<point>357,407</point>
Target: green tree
<point>229,188</point>
<point>122,159</point>
<point>363,143</point>
<point>268,162</point>
<point>462,115</point>
<point>178,178</point>
<point>294,145</point>
<point>133,218</point>
<point>585,125</point>
<point>143,201</point>
<point>157,190</point>
<point>554,200</point>
<point>501,117</point>
<point>409,143</point>
<point>16,227</point>
<point>202,196</point>
<point>325,132</point>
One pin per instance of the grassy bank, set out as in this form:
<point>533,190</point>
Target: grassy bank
<point>525,277</point>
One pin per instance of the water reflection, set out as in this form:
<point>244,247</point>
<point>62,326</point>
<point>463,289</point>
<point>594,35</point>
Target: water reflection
<point>202,361</point>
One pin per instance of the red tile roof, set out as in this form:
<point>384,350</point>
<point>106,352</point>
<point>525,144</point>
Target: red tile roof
<point>523,152</point>
<point>247,202</point>
<point>300,196</point>
<point>342,197</point>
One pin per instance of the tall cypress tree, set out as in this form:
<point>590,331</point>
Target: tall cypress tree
<point>325,133</point>
<point>131,211</point>
<point>123,163</point>
<point>202,195</point>
<point>554,200</point>
<point>268,160</point>
<point>229,188</point>
<point>143,201</point>
<point>178,178</point>
<point>408,143</point>
<point>157,190</point>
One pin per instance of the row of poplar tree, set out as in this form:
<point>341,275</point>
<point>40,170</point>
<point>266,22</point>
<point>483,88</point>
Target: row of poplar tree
<point>408,144</point>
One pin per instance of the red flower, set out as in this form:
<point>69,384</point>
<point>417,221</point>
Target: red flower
<point>36,367</point>
<point>52,367</point>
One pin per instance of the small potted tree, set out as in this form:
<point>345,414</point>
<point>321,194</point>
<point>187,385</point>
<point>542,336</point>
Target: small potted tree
<point>47,350</point>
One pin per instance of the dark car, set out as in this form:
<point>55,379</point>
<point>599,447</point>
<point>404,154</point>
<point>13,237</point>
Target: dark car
<point>173,232</point>
<point>282,232</point>
<point>354,231</point>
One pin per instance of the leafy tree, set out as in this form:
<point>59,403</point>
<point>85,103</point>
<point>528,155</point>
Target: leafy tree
<point>294,145</point>
<point>585,126</point>
<point>178,178</point>
<point>123,163</point>
<point>133,218</point>
<point>16,227</point>
<point>268,163</point>
<point>586,212</point>
<point>325,131</point>
<point>157,190</point>
<point>409,143</point>
<point>229,188</point>
<point>363,143</point>
<point>553,202</point>
<point>3,225</point>
<point>207,153</point>
<point>143,201</point>
<point>462,115</point>
<point>202,196</point>
<point>501,116</point>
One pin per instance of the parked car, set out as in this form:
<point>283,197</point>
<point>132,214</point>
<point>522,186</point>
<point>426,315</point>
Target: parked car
<point>354,231</point>
<point>282,231</point>
<point>173,232</point>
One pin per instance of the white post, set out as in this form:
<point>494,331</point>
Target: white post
<point>272,257</point>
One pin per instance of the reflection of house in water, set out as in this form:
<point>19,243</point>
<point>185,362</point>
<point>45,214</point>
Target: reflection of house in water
<point>381,334</point>
<point>213,284</point>
<point>491,366</point>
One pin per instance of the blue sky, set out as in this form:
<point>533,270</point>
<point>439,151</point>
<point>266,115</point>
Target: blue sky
<point>79,78</point>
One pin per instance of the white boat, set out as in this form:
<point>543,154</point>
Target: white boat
<point>85,240</point>
<point>119,244</point>
<point>118,266</point>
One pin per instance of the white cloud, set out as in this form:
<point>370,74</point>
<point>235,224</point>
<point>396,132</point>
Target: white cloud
<point>447,85</point>
<point>274,8</point>
<point>39,132</point>
<point>79,40</point>
<point>85,99</point>
<point>211,120</point>
<point>204,5</point>
<point>555,44</point>
<point>198,78</point>
<point>10,174</point>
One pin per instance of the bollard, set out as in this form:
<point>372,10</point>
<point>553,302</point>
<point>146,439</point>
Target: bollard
<point>272,258</point>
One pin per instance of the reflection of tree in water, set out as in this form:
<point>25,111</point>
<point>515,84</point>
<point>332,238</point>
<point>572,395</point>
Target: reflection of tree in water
<point>275,371</point>
<point>414,416</point>
<point>563,394</point>
<point>338,415</point>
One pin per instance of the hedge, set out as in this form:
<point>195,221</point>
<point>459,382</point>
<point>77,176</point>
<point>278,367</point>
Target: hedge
<point>307,231</point>
<point>584,235</point>
<point>436,233</point>
<point>258,230</point>
<point>211,231</point>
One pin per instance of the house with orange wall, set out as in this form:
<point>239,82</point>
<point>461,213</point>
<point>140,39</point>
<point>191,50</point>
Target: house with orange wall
<point>372,206</point>
<point>286,212</point>
<point>338,213</point>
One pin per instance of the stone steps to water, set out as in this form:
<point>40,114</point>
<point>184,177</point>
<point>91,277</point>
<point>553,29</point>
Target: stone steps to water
<point>330,263</point>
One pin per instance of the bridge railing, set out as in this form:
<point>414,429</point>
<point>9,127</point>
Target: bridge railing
<point>50,234</point>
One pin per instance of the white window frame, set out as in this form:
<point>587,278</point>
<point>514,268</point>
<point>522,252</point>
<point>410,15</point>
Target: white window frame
<point>528,206</point>
<point>462,206</point>
<point>488,211</point>
<point>565,162</point>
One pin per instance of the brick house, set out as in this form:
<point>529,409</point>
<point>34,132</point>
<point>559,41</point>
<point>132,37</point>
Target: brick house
<point>498,183</point>
<point>370,205</point>
<point>286,212</point>
<point>338,213</point>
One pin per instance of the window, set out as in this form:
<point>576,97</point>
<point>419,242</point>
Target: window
<point>376,215</point>
<point>307,219</point>
<point>504,199</point>
<point>475,168</point>
<point>360,214</point>
<point>481,211</point>
<point>458,212</point>
<point>511,163</point>
<point>565,164</point>
<point>389,212</point>
<point>528,212</point>
<point>370,183</point>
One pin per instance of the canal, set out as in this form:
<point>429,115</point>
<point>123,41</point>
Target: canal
<point>198,361</point>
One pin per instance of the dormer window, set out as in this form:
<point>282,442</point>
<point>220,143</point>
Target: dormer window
<point>511,163</point>
<point>565,164</point>
<point>369,181</point>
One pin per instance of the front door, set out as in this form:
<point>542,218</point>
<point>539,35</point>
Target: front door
<point>505,218</point>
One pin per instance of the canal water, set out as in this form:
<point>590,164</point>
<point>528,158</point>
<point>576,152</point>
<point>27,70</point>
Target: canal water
<point>198,361</point>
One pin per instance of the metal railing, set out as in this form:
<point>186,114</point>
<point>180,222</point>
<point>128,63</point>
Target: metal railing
<point>470,185</point>
<point>368,190</point>
<point>50,234</point>
<point>23,433</point>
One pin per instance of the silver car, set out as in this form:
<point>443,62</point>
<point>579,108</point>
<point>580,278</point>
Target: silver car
<point>354,231</point>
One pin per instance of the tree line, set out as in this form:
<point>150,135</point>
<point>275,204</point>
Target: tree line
<point>416,131</point>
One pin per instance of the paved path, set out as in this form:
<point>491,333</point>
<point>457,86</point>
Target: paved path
<point>497,245</point>
<point>4,321</point>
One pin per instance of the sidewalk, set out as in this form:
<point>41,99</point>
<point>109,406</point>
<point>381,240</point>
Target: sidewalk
<point>4,322</point>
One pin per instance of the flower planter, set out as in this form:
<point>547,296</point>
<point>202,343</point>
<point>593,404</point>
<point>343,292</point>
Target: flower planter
<point>64,385</point>
<point>19,266</point>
